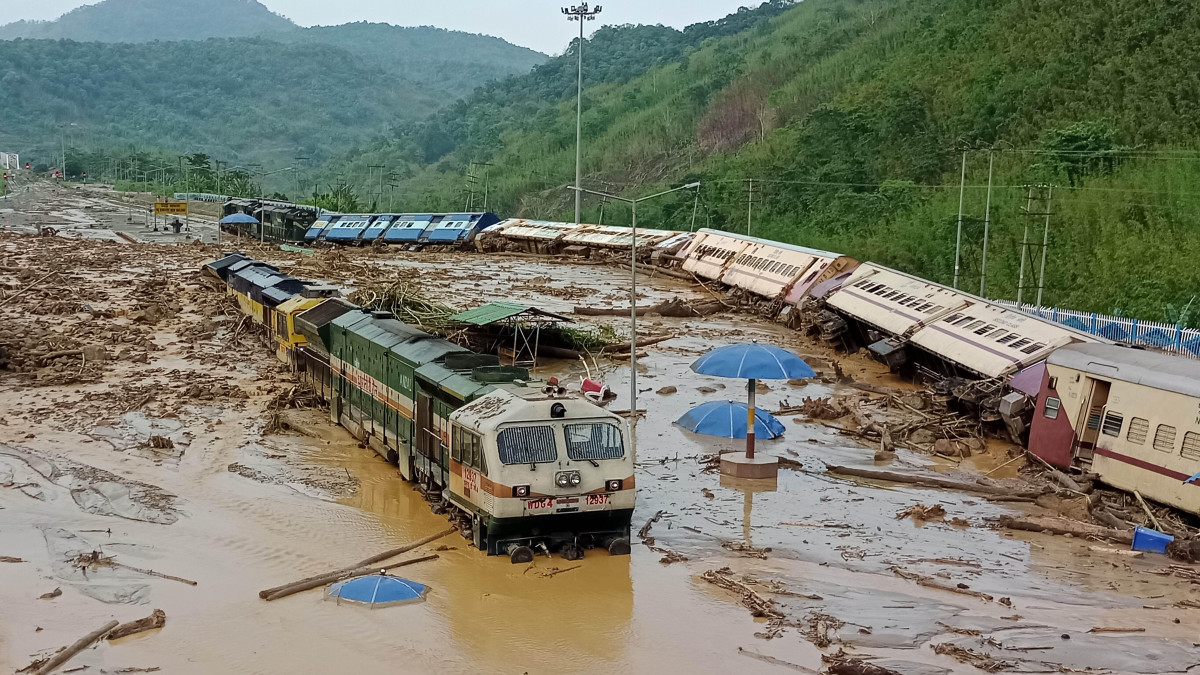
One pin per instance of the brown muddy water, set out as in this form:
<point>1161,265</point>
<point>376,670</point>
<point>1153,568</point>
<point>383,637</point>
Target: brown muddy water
<point>251,512</point>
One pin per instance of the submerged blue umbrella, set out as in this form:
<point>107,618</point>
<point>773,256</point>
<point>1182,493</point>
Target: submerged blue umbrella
<point>752,361</point>
<point>728,419</point>
<point>239,218</point>
<point>377,590</point>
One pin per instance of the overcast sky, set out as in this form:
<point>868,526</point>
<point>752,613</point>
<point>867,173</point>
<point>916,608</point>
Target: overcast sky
<point>531,23</point>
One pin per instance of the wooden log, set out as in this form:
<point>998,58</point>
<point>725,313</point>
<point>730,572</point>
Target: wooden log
<point>930,481</point>
<point>1146,508</point>
<point>363,563</point>
<point>1058,525</point>
<point>316,582</point>
<point>74,648</point>
<point>157,619</point>
<point>642,342</point>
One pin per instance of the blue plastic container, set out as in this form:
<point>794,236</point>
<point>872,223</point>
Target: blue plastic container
<point>1151,541</point>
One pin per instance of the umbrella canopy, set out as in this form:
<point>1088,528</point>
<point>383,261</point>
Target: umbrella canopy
<point>729,419</point>
<point>377,590</point>
<point>752,361</point>
<point>239,218</point>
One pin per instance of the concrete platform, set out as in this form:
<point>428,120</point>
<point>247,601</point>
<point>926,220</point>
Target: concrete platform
<point>737,465</point>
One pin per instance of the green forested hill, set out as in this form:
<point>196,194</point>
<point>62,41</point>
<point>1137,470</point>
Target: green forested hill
<point>148,20</point>
<point>852,117</point>
<point>246,100</point>
<point>447,61</point>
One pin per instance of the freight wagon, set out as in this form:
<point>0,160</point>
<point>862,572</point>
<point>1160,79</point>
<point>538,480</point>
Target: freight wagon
<point>409,229</point>
<point>519,466</point>
<point>1128,415</point>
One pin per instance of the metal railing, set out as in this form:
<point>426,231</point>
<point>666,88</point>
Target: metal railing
<point>1166,337</point>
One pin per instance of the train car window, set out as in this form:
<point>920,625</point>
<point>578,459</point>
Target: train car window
<point>1191,446</point>
<point>1007,338</point>
<point>891,295</point>
<point>964,321</point>
<point>952,318</point>
<point>594,441</point>
<point>924,307</point>
<point>935,309</point>
<point>986,329</point>
<point>974,324</point>
<point>1138,430</point>
<point>1050,412</point>
<point>281,323</point>
<point>1020,343</point>
<point>526,445</point>
<point>1033,348</point>
<point>1164,438</point>
<point>1112,424</point>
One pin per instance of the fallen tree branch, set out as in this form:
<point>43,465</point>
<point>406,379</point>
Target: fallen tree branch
<point>157,619</point>
<point>1057,525</point>
<point>931,481</point>
<point>315,582</point>
<point>74,648</point>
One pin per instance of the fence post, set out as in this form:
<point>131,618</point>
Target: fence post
<point>1055,314</point>
<point>1094,323</point>
<point>1178,337</point>
<point>1135,336</point>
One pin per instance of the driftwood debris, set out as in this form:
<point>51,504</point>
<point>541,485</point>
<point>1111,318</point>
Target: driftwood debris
<point>623,348</point>
<point>776,662</point>
<point>674,308</point>
<point>362,563</point>
<point>157,619</point>
<point>932,481</point>
<point>930,582</point>
<point>10,559</point>
<point>644,533</point>
<point>333,577</point>
<point>68,652</point>
<point>1063,526</point>
<point>758,605</point>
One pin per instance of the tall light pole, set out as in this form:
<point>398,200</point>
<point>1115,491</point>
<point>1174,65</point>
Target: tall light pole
<point>633,297</point>
<point>579,13</point>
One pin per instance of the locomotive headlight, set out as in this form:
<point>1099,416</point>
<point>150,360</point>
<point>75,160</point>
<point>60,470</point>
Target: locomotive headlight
<point>521,491</point>
<point>613,485</point>
<point>562,479</point>
<point>576,479</point>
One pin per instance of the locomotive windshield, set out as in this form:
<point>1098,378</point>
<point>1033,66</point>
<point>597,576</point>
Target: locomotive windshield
<point>594,441</point>
<point>527,445</point>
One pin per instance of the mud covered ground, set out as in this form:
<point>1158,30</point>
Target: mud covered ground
<point>133,421</point>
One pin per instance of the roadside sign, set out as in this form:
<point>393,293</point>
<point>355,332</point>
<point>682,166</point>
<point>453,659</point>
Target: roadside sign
<point>170,208</point>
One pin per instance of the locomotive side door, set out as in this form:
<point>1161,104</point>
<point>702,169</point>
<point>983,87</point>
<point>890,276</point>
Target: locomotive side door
<point>1091,415</point>
<point>425,427</point>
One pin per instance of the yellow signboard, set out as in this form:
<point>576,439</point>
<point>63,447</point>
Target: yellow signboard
<point>170,208</point>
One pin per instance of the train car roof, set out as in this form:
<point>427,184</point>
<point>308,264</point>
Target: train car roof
<point>510,403</point>
<point>767,242</point>
<point>1138,366</point>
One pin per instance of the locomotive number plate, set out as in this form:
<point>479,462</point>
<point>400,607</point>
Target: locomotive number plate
<point>597,500</point>
<point>544,503</point>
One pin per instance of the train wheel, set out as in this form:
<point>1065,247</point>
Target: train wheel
<point>619,546</point>
<point>519,554</point>
<point>393,457</point>
<point>572,552</point>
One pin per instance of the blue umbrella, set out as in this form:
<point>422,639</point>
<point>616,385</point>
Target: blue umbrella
<point>239,218</point>
<point>752,361</point>
<point>377,590</point>
<point>728,419</point>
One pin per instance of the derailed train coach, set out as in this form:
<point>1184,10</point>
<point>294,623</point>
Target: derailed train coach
<point>552,238</point>
<point>1128,415</point>
<point>517,464</point>
<point>781,273</point>
<point>401,229</point>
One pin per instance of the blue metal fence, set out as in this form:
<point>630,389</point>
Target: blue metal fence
<point>1164,336</point>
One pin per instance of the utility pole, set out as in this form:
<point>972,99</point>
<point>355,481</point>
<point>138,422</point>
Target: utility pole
<point>987,221</point>
<point>749,207</point>
<point>695,207</point>
<point>1045,244</point>
<point>580,13</point>
<point>962,189</point>
<point>1024,248</point>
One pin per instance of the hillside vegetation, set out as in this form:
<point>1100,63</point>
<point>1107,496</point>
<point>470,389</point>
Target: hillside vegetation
<point>852,117</point>
<point>148,20</point>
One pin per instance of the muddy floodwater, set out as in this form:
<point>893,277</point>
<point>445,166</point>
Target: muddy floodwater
<point>237,510</point>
